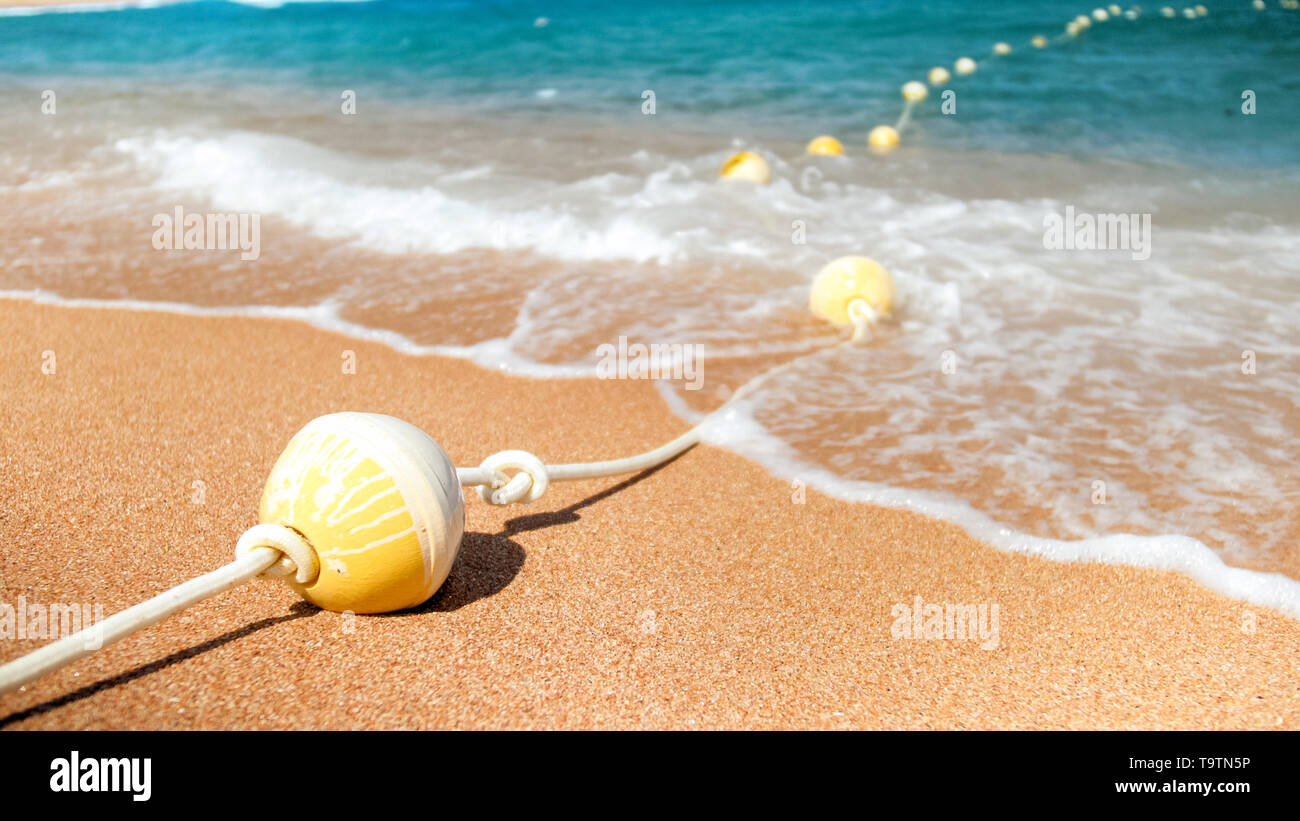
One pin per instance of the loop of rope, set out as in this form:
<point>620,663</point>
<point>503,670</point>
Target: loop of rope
<point>527,485</point>
<point>864,317</point>
<point>297,558</point>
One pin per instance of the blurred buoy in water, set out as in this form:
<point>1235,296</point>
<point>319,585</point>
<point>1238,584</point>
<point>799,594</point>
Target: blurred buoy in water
<point>914,91</point>
<point>964,66</point>
<point>847,280</point>
<point>1168,11</point>
<point>825,146</point>
<point>1039,41</point>
<point>1002,48</point>
<point>883,139</point>
<point>1100,15</point>
<point>938,76</point>
<point>746,165</point>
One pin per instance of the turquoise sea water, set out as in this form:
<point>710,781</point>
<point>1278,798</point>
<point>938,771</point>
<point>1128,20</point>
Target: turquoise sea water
<point>1150,88</point>
<point>501,193</point>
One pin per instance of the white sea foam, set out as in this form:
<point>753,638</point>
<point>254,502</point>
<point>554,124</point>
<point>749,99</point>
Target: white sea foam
<point>1070,368</point>
<point>735,429</point>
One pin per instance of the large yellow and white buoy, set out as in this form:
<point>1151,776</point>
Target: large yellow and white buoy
<point>746,165</point>
<point>882,139</point>
<point>938,76</point>
<point>377,501</point>
<point>847,280</point>
<point>914,91</point>
<point>824,146</point>
<point>964,66</point>
<point>1100,15</point>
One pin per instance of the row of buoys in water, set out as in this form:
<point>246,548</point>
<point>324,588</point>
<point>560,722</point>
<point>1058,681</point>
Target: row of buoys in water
<point>750,166</point>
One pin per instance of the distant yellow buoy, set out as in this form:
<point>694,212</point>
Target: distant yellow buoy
<point>1001,48</point>
<point>1114,9</point>
<point>1201,11</point>
<point>377,501</point>
<point>825,146</point>
<point>882,139</point>
<point>1100,15</point>
<point>938,76</point>
<point>847,279</point>
<point>747,165</point>
<point>1189,13</point>
<point>1039,41</point>
<point>1259,5</point>
<point>1083,20</point>
<point>914,91</point>
<point>1133,13</point>
<point>1167,11</point>
<point>1072,27</point>
<point>964,66</point>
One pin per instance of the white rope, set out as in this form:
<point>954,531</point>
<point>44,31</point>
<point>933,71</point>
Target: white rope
<point>533,476</point>
<point>118,626</point>
<point>906,116</point>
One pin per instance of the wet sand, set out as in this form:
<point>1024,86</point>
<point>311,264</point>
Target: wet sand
<point>702,595</point>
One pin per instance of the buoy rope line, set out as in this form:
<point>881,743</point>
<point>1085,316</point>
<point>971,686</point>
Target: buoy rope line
<point>749,165</point>
<point>357,500</point>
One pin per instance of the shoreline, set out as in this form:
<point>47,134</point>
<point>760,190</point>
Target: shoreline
<point>661,602</point>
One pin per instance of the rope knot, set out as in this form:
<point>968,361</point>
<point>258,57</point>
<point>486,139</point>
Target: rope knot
<point>297,558</point>
<point>526,485</point>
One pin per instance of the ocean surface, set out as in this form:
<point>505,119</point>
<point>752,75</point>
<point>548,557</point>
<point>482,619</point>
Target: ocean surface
<point>505,193</point>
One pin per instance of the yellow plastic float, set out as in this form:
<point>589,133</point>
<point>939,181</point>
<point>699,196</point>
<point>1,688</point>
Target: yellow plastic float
<point>882,139</point>
<point>747,165</point>
<point>850,280</point>
<point>825,146</point>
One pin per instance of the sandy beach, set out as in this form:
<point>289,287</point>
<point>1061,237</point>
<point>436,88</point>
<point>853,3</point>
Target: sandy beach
<point>699,596</point>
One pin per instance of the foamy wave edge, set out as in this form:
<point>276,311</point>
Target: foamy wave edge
<point>735,430</point>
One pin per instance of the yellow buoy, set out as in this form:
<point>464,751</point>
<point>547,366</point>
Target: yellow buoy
<point>1002,48</point>
<point>1072,28</point>
<point>1168,11</point>
<point>747,165</point>
<point>1114,9</point>
<point>1189,13</point>
<point>1039,41</point>
<point>1258,5</point>
<point>379,503</point>
<point>882,139</point>
<point>938,76</point>
<point>825,146</point>
<point>964,66</point>
<point>914,91</point>
<point>1100,15</point>
<point>1201,11</point>
<point>1083,20</point>
<point>845,280</point>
